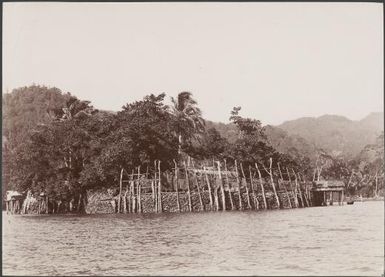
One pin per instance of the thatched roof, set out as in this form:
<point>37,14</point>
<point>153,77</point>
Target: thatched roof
<point>13,194</point>
<point>329,185</point>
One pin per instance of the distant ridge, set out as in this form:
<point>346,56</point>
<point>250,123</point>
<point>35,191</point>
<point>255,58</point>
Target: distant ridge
<point>337,134</point>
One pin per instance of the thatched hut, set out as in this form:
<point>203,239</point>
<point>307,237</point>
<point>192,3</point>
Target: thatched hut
<point>326,192</point>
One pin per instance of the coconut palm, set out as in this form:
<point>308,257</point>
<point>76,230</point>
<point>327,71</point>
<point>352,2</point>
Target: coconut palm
<point>74,108</point>
<point>189,121</point>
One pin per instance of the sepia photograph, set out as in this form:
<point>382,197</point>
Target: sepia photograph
<point>192,139</point>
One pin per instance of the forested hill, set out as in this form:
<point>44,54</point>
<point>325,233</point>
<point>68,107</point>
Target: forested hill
<point>337,135</point>
<point>293,145</point>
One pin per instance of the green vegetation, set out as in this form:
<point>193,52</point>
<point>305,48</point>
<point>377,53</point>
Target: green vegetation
<point>57,144</point>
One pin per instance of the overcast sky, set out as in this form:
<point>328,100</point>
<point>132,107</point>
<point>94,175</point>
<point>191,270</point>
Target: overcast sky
<point>277,61</point>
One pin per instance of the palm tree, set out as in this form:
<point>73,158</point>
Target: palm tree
<point>188,117</point>
<point>74,108</point>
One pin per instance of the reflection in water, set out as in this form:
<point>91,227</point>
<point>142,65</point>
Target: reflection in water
<point>335,240</point>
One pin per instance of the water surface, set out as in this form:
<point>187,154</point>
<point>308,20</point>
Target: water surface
<point>335,240</point>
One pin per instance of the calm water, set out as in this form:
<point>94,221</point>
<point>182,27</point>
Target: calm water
<point>336,240</point>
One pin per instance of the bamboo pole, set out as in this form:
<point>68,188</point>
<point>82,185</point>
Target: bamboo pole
<point>120,190</point>
<point>270,172</point>
<point>299,189</point>
<point>137,190</point>
<point>129,198</point>
<point>188,187</point>
<point>305,193</point>
<point>229,186</point>
<point>294,191</point>
<point>221,186</point>
<point>134,199</point>
<point>140,197</point>
<point>216,198</point>
<point>198,188</point>
<point>262,188</point>
<point>247,189</point>
<point>139,186</point>
<point>255,199</point>
<point>153,183</point>
<point>239,186</point>
<point>199,192</point>
<point>160,189</point>
<point>155,188</point>
<point>125,201</point>
<point>176,186</point>
<point>342,198</point>
<point>284,186</point>
<point>209,188</point>
<point>309,196</point>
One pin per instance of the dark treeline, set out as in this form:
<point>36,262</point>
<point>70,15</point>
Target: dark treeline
<point>59,145</point>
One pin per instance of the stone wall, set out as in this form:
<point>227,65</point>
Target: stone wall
<point>103,202</point>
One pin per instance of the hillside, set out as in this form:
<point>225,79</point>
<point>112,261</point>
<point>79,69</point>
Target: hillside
<point>276,137</point>
<point>337,135</point>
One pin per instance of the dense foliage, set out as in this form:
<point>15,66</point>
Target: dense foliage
<point>60,145</point>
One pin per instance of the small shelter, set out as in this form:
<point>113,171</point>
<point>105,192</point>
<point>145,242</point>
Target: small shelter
<point>13,201</point>
<point>326,192</point>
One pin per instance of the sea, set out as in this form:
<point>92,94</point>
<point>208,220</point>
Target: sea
<point>332,240</point>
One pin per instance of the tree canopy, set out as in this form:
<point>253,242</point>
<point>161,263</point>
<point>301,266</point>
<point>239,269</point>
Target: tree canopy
<point>55,143</point>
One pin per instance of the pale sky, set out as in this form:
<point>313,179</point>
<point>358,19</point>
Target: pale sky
<point>278,61</point>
